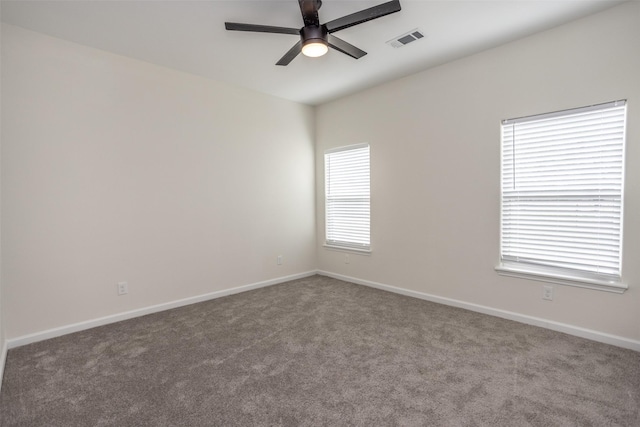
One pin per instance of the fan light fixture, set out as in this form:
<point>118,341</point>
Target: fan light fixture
<point>314,48</point>
<point>314,41</point>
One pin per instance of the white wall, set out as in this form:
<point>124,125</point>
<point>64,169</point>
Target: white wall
<point>435,167</point>
<point>118,170</point>
<point>113,169</point>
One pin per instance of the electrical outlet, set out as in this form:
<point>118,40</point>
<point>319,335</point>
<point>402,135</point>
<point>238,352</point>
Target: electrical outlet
<point>346,258</point>
<point>123,288</point>
<point>279,260</point>
<point>547,292</point>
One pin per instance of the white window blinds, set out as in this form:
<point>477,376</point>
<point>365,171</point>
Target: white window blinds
<point>347,197</point>
<point>562,191</point>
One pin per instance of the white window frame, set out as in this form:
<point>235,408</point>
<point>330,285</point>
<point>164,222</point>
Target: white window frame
<point>523,207</point>
<point>348,198</point>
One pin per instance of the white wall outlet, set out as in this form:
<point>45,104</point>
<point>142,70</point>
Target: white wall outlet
<point>279,260</point>
<point>547,292</point>
<point>346,258</point>
<point>123,288</point>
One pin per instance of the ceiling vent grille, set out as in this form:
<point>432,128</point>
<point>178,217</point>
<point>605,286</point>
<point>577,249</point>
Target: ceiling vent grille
<point>406,38</point>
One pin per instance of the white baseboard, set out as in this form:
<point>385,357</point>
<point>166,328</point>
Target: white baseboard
<point>88,324</point>
<point>529,320</point>
<point>3,359</point>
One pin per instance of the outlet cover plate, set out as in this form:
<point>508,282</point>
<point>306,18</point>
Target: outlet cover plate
<point>123,288</point>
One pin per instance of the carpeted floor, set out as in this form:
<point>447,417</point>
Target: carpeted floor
<point>319,351</point>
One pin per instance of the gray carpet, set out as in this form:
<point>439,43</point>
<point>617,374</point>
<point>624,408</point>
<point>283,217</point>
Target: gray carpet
<point>319,351</point>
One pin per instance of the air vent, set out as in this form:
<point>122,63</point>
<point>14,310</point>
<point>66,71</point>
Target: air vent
<point>406,38</point>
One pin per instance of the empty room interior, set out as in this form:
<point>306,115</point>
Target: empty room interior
<point>434,219</point>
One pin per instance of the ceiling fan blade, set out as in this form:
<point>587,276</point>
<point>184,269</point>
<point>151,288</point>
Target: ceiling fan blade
<point>234,26</point>
<point>309,10</point>
<point>293,52</point>
<point>344,47</point>
<point>363,16</point>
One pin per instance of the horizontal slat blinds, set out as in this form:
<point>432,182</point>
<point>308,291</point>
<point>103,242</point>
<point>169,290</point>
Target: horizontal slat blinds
<point>562,190</point>
<point>347,197</point>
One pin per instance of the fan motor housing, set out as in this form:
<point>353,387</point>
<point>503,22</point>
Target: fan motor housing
<point>313,33</point>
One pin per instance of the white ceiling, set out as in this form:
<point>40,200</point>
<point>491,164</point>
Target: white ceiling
<point>190,36</point>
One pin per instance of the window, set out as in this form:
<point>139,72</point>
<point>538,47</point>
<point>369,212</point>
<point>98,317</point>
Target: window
<point>347,197</point>
<point>562,194</point>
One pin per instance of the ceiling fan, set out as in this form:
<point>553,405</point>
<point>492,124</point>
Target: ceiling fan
<point>315,39</point>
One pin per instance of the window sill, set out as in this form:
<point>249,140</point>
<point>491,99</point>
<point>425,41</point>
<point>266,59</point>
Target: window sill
<point>560,279</point>
<point>348,249</point>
